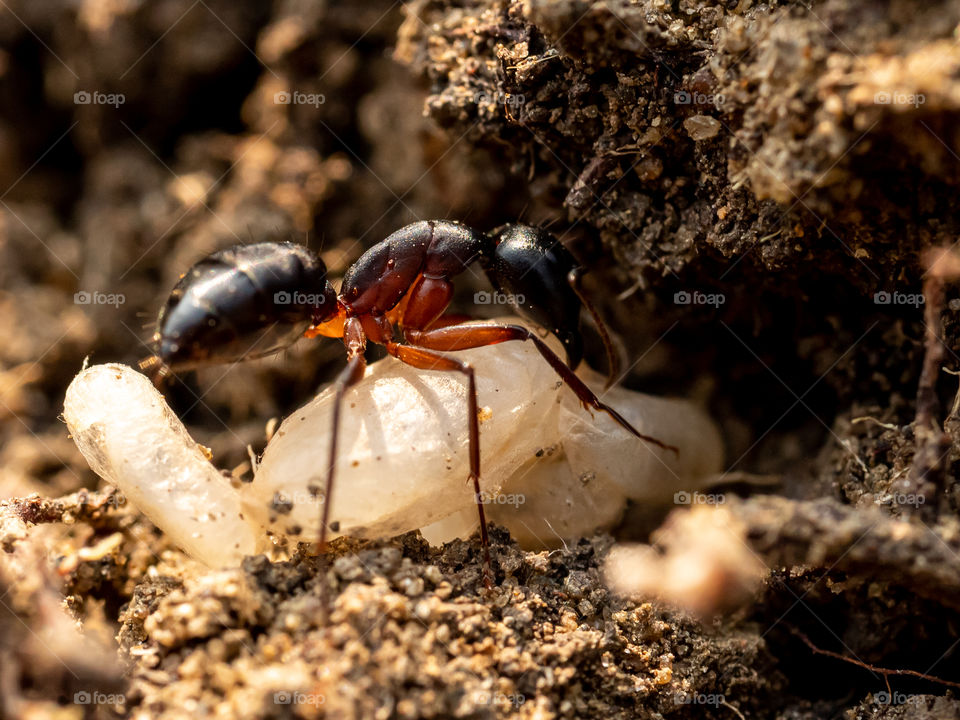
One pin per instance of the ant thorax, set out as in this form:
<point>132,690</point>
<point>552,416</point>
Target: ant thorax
<point>552,470</point>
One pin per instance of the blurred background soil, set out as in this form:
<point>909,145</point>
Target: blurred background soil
<point>750,184</point>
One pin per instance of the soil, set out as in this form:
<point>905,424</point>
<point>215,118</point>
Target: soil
<point>751,186</point>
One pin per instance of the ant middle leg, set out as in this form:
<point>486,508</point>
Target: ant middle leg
<point>464,337</point>
<point>428,360</point>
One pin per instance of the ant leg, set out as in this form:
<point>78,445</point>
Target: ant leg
<point>574,278</point>
<point>356,343</point>
<point>427,360</point>
<point>348,377</point>
<point>464,337</point>
<point>448,319</point>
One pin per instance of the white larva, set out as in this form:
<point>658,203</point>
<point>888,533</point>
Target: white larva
<point>132,439</point>
<point>580,482</point>
<point>403,450</point>
<point>550,469</point>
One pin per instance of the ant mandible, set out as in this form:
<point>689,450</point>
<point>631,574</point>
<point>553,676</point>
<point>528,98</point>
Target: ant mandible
<point>249,301</point>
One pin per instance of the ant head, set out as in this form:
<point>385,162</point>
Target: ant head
<point>243,302</point>
<point>533,268</point>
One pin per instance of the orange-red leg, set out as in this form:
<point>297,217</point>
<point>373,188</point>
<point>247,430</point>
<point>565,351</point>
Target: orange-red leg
<point>427,360</point>
<point>464,337</point>
<point>348,377</point>
<point>448,319</point>
<point>355,342</point>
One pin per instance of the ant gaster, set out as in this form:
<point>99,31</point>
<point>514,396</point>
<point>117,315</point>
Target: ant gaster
<point>252,300</point>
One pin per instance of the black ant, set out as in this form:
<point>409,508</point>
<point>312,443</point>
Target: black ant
<point>253,300</point>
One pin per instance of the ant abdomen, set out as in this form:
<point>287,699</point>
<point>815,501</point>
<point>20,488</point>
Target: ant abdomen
<point>243,302</point>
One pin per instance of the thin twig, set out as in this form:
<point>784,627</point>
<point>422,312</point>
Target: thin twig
<point>885,672</point>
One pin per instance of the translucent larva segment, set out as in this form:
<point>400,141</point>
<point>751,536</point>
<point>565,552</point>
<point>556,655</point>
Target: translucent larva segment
<point>550,470</point>
<point>546,503</point>
<point>581,481</point>
<point>543,504</point>
<point>461,525</point>
<point>403,453</point>
<point>598,447</point>
<point>131,438</point>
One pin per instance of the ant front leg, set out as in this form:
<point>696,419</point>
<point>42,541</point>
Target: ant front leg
<point>464,337</point>
<point>355,341</point>
<point>427,360</point>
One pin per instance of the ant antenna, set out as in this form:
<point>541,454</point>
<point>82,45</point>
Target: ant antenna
<point>526,206</point>
<point>550,223</point>
<point>574,277</point>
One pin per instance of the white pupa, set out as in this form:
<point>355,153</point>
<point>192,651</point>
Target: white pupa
<point>550,469</point>
<point>132,439</point>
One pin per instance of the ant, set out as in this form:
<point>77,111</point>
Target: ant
<point>249,301</point>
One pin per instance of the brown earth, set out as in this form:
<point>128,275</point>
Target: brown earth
<point>788,160</point>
